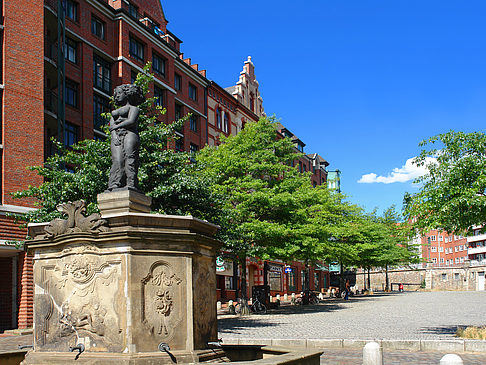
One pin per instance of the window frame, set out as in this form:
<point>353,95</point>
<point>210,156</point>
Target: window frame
<point>106,68</point>
<point>70,129</point>
<point>98,24</point>
<point>192,92</point>
<point>134,47</point>
<point>71,44</point>
<point>163,62</point>
<point>159,94</point>
<point>74,87</point>
<point>74,6</point>
<point>193,122</point>
<point>98,100</point>
<point>177,81</point>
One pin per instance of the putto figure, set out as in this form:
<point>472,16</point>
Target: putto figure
<point>125,141</point>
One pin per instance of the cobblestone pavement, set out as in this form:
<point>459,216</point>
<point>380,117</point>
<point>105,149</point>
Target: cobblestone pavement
<point>355,357</point>
<point>405,316</point>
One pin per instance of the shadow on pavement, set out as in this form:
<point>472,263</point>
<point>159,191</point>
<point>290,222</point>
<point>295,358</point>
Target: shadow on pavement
<point>442,330</point>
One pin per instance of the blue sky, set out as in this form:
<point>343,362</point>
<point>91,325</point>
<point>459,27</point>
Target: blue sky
<point>360,82</point>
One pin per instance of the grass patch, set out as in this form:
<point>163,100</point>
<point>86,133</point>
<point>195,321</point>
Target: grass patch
<point>475,333</point>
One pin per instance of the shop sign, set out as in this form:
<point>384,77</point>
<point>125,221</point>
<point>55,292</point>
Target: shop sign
<point>274,268</point>
<point>224,267</point>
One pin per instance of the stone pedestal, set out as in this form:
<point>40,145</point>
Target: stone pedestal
<point>147,279</point>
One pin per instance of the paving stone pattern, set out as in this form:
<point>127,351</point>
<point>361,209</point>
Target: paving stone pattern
<point>404,316</point>
<point>355,357</point>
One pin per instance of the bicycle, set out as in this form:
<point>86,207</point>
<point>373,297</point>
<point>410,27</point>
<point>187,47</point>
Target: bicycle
<point>258,307</point>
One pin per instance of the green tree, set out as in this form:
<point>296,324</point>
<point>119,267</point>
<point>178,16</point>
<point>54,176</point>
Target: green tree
<point>81,171</point>
<point>452,194</point>
<point>264,193</point>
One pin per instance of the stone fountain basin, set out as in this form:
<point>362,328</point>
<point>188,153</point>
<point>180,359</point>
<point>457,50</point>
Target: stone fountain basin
<point>257,354</point>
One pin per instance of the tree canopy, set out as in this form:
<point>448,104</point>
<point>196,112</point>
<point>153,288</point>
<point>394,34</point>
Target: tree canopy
<point>452,192</point>
<point>81,171</point>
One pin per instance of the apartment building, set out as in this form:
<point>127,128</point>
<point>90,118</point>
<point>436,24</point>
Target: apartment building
<point>61,60</point>
<point>440,249</point>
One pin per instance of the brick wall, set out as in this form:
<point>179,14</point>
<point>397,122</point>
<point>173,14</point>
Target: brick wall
<point>23,108</point>
<point>25,291</point>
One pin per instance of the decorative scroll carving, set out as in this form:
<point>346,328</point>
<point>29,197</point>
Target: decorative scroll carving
<point>161,306</point>
<point>76,220</point>
<point>205,284</point>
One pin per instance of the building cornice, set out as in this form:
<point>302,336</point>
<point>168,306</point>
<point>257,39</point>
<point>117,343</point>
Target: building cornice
<point>190,107</point>
<point>16,209</point>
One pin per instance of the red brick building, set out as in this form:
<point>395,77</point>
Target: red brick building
<point>61,60</point>
<point>440,249</point>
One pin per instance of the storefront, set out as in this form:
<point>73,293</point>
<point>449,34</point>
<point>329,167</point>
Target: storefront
<point>275,278</point>
<point>225,279</point>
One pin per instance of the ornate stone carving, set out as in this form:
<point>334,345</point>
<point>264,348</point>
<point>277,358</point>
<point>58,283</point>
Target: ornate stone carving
<point>161,300</point>
<point>80,289</point>
<point>206,282</point>
<point>76,220</point>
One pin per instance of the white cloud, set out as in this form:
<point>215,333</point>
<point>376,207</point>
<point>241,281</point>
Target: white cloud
<point>407,172</point>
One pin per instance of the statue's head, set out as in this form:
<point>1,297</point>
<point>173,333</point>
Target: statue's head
<point>128,92</point>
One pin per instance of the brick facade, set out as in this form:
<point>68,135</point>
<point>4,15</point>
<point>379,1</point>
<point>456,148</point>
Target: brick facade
<point>105,43</point>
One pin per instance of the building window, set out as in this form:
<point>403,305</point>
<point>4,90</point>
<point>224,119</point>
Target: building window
<point>441,249</point>
<point>226,123</point>
<point>102,74</point>
<point>433,238</point>
<point>178,112</point>
<point>179,144</point>
<point>70,9</point>
<point>292,281</point>
<point>192,92</point>
<point>133,76</point>
<point>71,50</point>
<point>70,134</point>
<point>193,148</point>
<point>444,277</point>
<point>316,281</point>
<point>433,249</point>
<point>434,260</point>
<point>159,94</point>
<point>193,122</point>
<point>71,93</point>
<point>218,118</point>
<point>228,283</point>
<point>158,64</point>
<point>177,81</point>
<point>100,105</point>
<point>440,238</point>
<point>97,27</point>
<point>136,49</point>
<point>133,11</point>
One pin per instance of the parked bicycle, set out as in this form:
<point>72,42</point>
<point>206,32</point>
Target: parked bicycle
<point>258,307</point>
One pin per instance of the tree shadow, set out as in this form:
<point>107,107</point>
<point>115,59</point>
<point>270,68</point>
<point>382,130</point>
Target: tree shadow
<point>442,330</point>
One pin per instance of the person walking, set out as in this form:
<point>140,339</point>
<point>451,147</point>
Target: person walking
<point>346,290</point>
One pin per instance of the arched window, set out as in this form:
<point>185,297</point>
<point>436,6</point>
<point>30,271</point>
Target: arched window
<point>218,118</point>
<point>226,123</point>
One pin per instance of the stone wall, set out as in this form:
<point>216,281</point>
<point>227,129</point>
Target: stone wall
<point>436,278</point>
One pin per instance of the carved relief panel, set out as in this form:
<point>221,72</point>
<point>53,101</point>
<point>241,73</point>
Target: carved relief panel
<point>75,301</point>
<point>204,286</point>
<point>162,306</point>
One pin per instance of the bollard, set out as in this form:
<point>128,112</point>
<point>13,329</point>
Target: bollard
<point>218,305</point>
<point>271,299</point>
<point>230,303</point>
<point>372,354</point>
<point>293,295</point>
<point>278,296</point>
<point>451,359</point>
<point>286,297</point>
<point>320,296</point>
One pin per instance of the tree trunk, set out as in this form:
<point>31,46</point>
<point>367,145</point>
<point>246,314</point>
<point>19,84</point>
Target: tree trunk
<point>364,279</point>
<point>341,277</point>
<point>387,281</point>
<point>369,280</point>
<point>245,310</point>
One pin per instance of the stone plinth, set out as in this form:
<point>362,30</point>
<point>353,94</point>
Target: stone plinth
<point>148,279</point>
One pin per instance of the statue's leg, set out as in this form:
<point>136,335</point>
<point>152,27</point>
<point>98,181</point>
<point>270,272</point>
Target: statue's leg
<point>116,172</point>
<point>132,146</point>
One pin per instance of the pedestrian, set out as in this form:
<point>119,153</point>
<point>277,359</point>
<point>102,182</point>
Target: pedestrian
<point>400,287</point>
<point>346,290</point>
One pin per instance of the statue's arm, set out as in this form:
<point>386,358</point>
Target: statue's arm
<point>131,119</point>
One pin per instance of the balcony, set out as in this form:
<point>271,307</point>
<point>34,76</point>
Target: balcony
<point>50,101</point>
<point>476,250</point>
<point>479,237</point>
<point>50,50</point>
